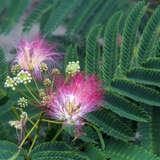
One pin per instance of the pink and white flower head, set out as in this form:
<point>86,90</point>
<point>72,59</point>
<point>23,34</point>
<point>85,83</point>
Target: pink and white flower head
<point>30,55</point>
<point>73,100</point>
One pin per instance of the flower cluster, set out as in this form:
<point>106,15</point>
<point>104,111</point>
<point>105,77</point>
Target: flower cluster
<point>31,55</point>
<point>22,77</point>
<point>65,99</point>
<point>73,100</point>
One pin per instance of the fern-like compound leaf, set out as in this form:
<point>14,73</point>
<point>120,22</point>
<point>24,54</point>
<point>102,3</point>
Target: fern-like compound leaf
<point>136,91</point>
<point>59,14</point>
<point>56,150</point>
<point>41,9</point>
<point>125,108</point>
<point>91,59</point>
<point>8,150</point>
<point>110,47</point>
<point>145,76</point>
<point>148,37</point>
<point>13,14</point>
<point>130,34</point>
<point>153,63</point>
<point>128,151</point>
<point>110,124</point>
<point>71,55</point>
<point>85,10</point>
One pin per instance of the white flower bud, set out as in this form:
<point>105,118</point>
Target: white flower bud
<point>10,83</point>
<point>22,102</point>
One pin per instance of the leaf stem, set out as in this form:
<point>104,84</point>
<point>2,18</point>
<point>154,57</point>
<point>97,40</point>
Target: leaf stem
<point>99,135</point>
<point>35,125</point>
<point>50,121</point>
<point>57,134</point>
<point>28,89</point>
<point>35,137</point>
<point>22,93</point>
<point>35,81</point>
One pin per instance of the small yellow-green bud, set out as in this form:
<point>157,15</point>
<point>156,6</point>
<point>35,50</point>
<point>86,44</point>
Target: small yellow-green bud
<point>47,82</point>
<point>55,71</point>
<point>43,67</point>
<point>72,68</point>
<point>15,69</point>
<point>42,93</point>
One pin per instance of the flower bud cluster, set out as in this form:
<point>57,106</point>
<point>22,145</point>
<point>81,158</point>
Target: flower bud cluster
<point>23,77</point>
<point>22,102</point>
<point>72,68</point>
<point>10,83</point>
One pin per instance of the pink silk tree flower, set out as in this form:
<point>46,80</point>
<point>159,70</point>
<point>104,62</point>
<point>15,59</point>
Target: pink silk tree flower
<point>30,55</point>
<point>73,100</point>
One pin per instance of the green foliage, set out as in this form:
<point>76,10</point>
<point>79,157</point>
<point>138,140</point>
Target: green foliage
<point>153,63</point>
<point>71,55</point>
<point>109,56</point>
<point>13,14</point>
<point>149,132</point>
<point>3,68</point>
<point>88,136</point>
<point>110,124</point>
<point>136,92</point>
<point>145,76</point>
<point>8,151</point>
<point>130,34</point>
<point>92,58</point>
<point>58,14</point>
<point>125,108</point>
<point>128,151</point>
<point>156,49</point>
<point>4,3</point>
<point>56,150</point>
<point>80,18</point>
<point>148,37</point>
<point>98,154</point>
<point>42,8</point>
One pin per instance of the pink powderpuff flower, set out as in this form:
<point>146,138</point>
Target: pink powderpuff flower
<point>73,100</point>
<point>30,55</point>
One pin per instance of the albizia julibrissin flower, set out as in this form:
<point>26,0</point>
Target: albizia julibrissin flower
<point>73,100</point>
<point>31,55</point>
